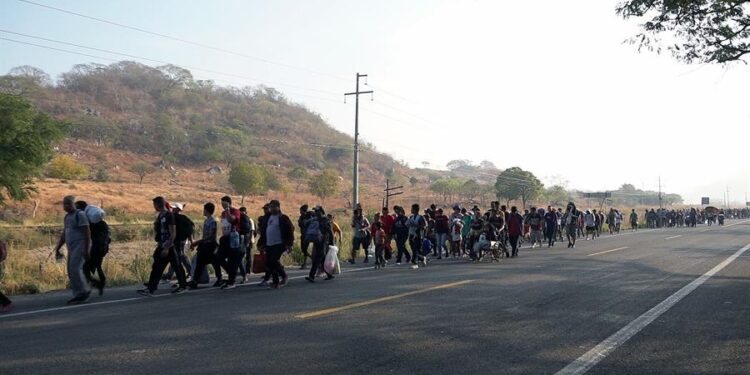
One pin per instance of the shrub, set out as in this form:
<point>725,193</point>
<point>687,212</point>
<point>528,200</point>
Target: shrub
<point>66,168</point>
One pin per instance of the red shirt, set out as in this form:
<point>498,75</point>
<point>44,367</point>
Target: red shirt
<point>387,221</point>
<point>234,213</point>
<point>515,224</point>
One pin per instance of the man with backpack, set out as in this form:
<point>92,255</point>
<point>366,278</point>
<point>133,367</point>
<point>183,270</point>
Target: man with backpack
<point>320,234</point>
<point>164,254</point>
<point>247,233</point>
<point>76,236</point>
<point>276,238</point>
<point>185,229</point>
<point>304,216</point>
<point>100,239</point>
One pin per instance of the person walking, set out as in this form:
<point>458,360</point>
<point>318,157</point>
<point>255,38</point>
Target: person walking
<point>360,226</point>
<point>442,230</point>
<point>417,226</point>
<point>206,245</point>
<point>100,239</point>
<point>229,255</point>
<point>275,239</point>
<point>76,236</point>
<point>401,233</point>
<point>164,254</point>
<point>550,226</point>
<point>515,230</point>
<point>633,220</point>
<point>320,235</point>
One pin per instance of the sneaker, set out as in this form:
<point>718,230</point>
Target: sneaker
<point>219,283</point>
<point>179,290</point>
<point>145,292</point>
<point>263,284</point>
<point>6,308</point>
<point>398,263</point>
<point>228,286</point>
<point>414,266</point>
<point>78,299</point>
<point>366,260</point>
<point>310,279</point>
<point>192,285</point>
<point>244,280</point>
<point>284,281</point>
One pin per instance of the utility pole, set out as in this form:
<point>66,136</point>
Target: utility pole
<point>660,205</point>
<point>355,173</point>
<point>389,189</point>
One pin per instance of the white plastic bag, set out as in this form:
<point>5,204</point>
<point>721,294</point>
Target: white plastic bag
<point>329,264</point>
<point>94,214</point>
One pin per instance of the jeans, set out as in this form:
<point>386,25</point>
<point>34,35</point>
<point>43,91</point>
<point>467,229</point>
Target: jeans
<point>273,263</point>
<point>550,233</point>
<point>415,243</point>
<point>440,246</point>
<point>536,236</point>
<point>227,258</point>
<point>94,265</point>
<point>78,283</point>
<point>304,246</point>
<point>160,263</point>
<point>401,249</point>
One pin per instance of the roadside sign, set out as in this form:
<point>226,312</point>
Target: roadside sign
<point>704,200</point>
<point>598,195</point>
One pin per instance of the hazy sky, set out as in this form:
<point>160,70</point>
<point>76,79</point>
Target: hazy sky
<point>546,85</point>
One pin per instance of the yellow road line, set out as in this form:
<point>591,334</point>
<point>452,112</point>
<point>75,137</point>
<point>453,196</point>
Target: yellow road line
<point>608,251</point>
<point>315,314</point>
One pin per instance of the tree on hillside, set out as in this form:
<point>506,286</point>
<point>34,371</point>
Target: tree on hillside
<point>458,164</point>
<point>556,195</point>
<point>247,179</point>
<point>413,181</point>
<point>516,183</point>
<point>141,169</point>
<point>67,168</point>
<point>298,174</point>
<point>324,184</point>
<point>486,164</point>
<point>470,189</point>
<point>702,31</point>
<point>25,145</point>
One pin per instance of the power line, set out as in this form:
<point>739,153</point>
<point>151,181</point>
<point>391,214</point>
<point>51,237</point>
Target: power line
<point>153,60</point>
<point>181,40</point>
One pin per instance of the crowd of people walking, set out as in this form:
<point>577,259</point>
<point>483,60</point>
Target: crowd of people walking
<point>229,238</point>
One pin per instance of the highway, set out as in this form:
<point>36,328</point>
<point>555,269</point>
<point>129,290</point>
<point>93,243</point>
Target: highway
<point>655,301</point>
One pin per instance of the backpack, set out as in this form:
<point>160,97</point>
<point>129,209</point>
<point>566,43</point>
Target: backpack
<point>101,237</point>
<point>185,227</point>
<point>313,231</point>
<point>246,226</point>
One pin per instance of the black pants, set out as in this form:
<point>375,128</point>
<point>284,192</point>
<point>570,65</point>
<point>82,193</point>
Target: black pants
<point>4,301</point>
<point>305,246</point>
<point>184,261</point>
<point>273,262</point>
<point>227,258</point>
<point>94,265</point>
<point>320,250</point>
<point>415,243</point>
<point>550,233</point>
<point>401,249</point>
<point>514,243</point>
<point>248,267</point>
<point>160,263</point>
<point>205,256</point>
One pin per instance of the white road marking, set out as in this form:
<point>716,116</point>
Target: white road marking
<point>673,237</point>
<point>606,347</point>
<point>608,251</point>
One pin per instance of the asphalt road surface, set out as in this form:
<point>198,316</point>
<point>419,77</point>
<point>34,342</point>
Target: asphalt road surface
<point>660,301</point>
